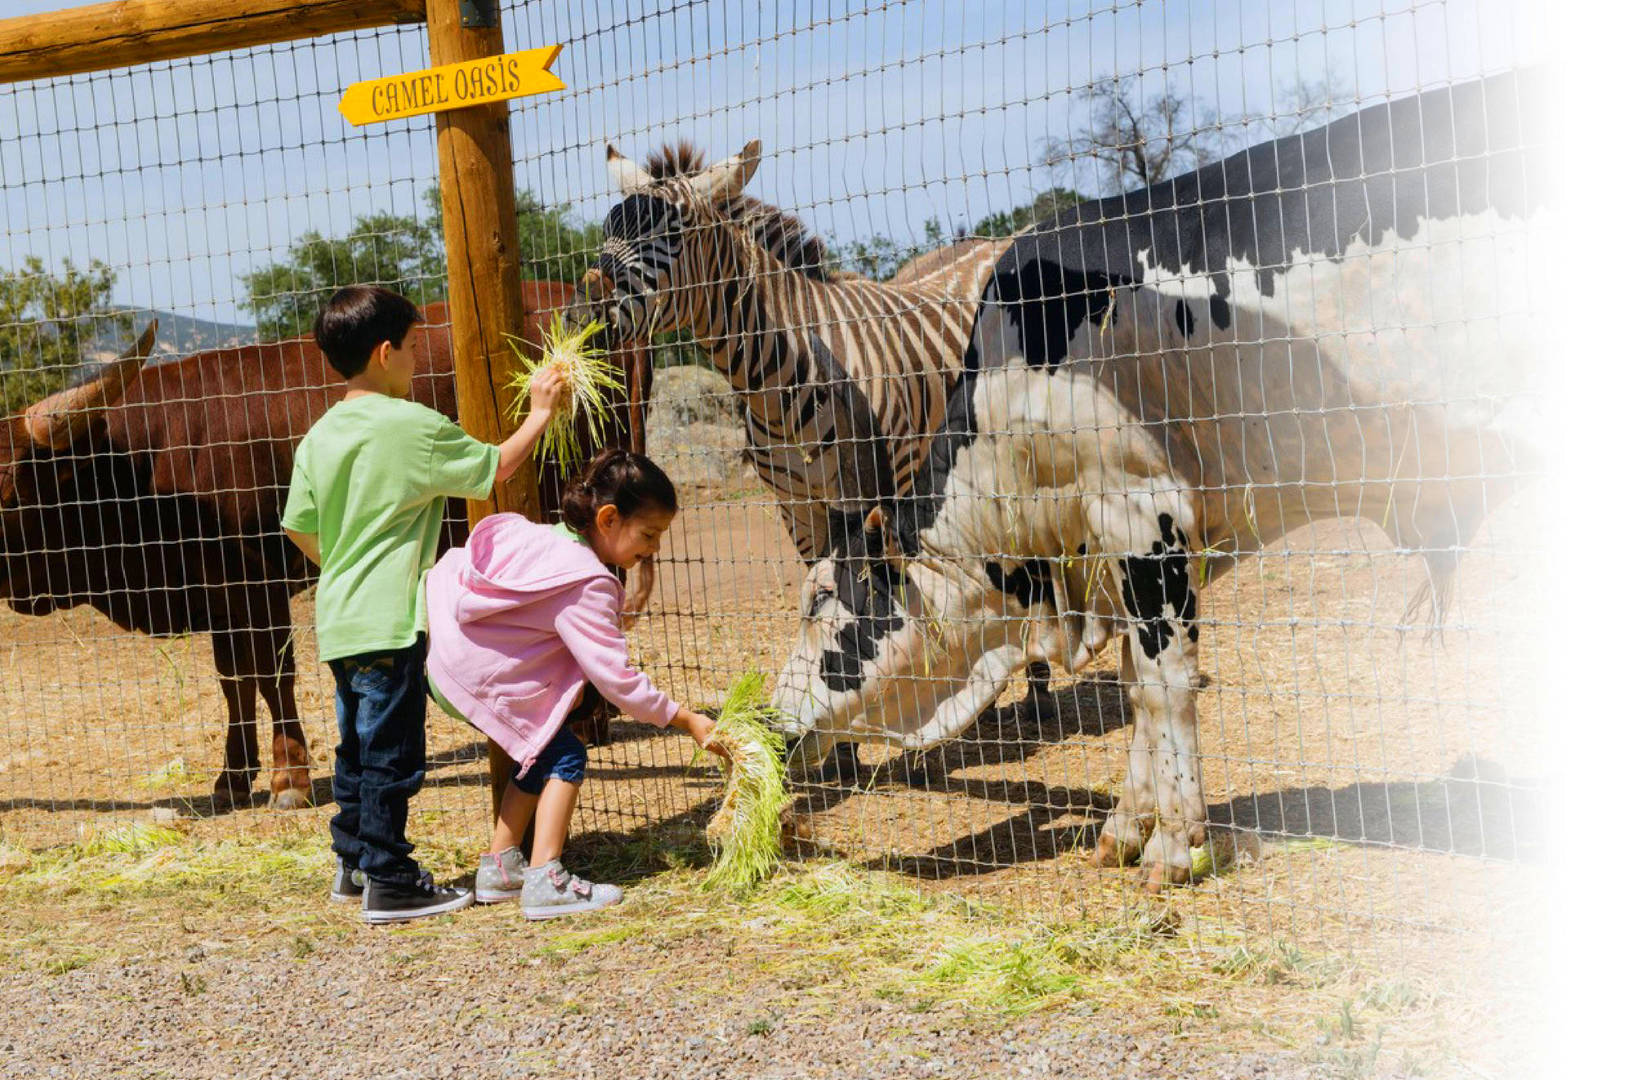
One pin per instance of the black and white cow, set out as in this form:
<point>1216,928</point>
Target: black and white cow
<point>1325,325</point>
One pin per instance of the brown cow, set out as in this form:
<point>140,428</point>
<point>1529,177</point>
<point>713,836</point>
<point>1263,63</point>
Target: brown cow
<point>153,493</point>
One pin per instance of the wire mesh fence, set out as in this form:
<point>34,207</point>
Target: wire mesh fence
<point>1172,342</point>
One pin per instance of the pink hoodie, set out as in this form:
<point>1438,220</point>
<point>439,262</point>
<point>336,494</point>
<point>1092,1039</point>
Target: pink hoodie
<point>519,618</point>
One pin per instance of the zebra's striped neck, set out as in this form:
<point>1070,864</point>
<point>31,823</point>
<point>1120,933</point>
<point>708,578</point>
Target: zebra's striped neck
<point>731,321</point>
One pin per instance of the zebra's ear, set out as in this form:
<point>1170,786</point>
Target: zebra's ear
<point>627,176</point>
<point>726,179</point>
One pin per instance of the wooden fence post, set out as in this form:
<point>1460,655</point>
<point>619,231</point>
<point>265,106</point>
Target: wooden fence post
<point>475,174</point>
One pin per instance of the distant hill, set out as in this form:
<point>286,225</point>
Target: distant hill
<point>177,334</point>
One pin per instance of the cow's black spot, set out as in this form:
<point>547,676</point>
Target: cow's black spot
<point>1219,311</point>
<point>1029,583</point>
<point>1156,588</point>
<point>841,668</point>
<point>1047,303</point>
<point>858,643</point>
<point>1184,320</point>
<point>867,587</point>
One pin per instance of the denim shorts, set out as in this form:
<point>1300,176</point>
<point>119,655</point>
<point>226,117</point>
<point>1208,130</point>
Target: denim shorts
<point>563,758</point>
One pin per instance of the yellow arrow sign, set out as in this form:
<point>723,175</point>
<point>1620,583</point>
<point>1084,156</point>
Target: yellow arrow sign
<point>452,86</point>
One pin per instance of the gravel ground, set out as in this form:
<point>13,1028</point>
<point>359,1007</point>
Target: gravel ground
<point>391,1004</point>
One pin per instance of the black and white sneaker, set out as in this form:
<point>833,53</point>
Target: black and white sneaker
<point>387,902</point>
<point>348,884</point>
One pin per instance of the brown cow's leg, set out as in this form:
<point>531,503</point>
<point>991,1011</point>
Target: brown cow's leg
<point>291,781</point>
<point>243,754</point>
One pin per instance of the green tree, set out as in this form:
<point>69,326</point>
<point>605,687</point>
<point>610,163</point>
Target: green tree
<point>406,253</point>
<point>880,256</point>
<point>399,252</point>
<point>48,325</point>
<point>1007,223</point>
<point>554,245</point>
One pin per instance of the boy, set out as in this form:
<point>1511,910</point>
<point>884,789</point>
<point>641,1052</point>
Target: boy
<point>366,505</point>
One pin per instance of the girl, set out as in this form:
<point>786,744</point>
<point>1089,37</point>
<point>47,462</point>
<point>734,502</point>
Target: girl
<point>526,627</point>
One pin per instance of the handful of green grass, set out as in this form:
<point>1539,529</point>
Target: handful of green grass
<point>746,832</point>
<point>591,378</point>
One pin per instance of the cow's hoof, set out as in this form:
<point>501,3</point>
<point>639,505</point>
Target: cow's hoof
<point>291,798</point>
<point>1161,876</point>
<point>231,792</point>
<point>1167,858</point>
<point>1110,853</point>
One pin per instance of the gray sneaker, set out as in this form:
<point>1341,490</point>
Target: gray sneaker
<point>348,883</point>
<point>549,891</point>
<point>499,877</point>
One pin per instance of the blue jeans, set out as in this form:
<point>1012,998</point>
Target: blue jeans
<point>380,704</point>
<point>563,758</point>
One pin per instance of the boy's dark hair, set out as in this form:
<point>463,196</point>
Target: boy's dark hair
<point>356,320</point>
<point>631,482</point>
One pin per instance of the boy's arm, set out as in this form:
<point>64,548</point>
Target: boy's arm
<point>547,393</point>
<point>300,520</point>
<point>308,543</point>
<point>515,450</point>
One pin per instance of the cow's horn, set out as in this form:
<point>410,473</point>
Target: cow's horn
<point>56,421</point>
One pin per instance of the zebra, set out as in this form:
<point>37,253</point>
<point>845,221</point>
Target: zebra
<point>842,378</point>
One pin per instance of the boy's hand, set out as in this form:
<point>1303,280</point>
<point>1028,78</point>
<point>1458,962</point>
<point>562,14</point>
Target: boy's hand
<point>547,390</point>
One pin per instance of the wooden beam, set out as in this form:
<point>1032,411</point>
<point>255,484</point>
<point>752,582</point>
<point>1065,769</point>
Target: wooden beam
<point>478,183</point>
<point>130,32</point>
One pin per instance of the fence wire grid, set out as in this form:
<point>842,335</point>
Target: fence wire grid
<point>1364,765</point>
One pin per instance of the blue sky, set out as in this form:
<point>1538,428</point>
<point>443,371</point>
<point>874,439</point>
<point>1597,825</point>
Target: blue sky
<point>875,115</point>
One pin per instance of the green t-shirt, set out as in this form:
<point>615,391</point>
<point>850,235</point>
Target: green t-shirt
<point>370,479</point>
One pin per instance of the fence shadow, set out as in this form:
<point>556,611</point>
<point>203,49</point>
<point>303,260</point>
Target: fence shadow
<point>1005,735</point>
<point>1471,810</point>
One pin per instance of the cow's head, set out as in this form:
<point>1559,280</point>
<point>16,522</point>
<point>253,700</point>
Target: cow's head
<point>911,650</point>
<point>56,479</point>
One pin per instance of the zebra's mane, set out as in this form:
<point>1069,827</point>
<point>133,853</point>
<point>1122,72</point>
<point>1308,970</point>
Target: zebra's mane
<point>782,234</point>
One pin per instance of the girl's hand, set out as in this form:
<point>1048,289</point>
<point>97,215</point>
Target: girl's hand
<point>700,727</point>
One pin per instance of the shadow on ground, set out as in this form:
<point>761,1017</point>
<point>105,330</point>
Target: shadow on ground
<point>1472,809</point>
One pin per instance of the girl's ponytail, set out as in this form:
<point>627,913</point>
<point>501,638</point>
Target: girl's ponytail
<point>631,482</point>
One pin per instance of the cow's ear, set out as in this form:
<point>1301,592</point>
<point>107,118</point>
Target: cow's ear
<point>878,537</point>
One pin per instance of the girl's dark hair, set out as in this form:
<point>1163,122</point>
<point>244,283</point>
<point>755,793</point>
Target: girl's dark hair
<point>356,320</point>
<point>631,482</point>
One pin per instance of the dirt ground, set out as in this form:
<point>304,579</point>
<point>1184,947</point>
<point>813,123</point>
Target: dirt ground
<point>1383,792</point>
